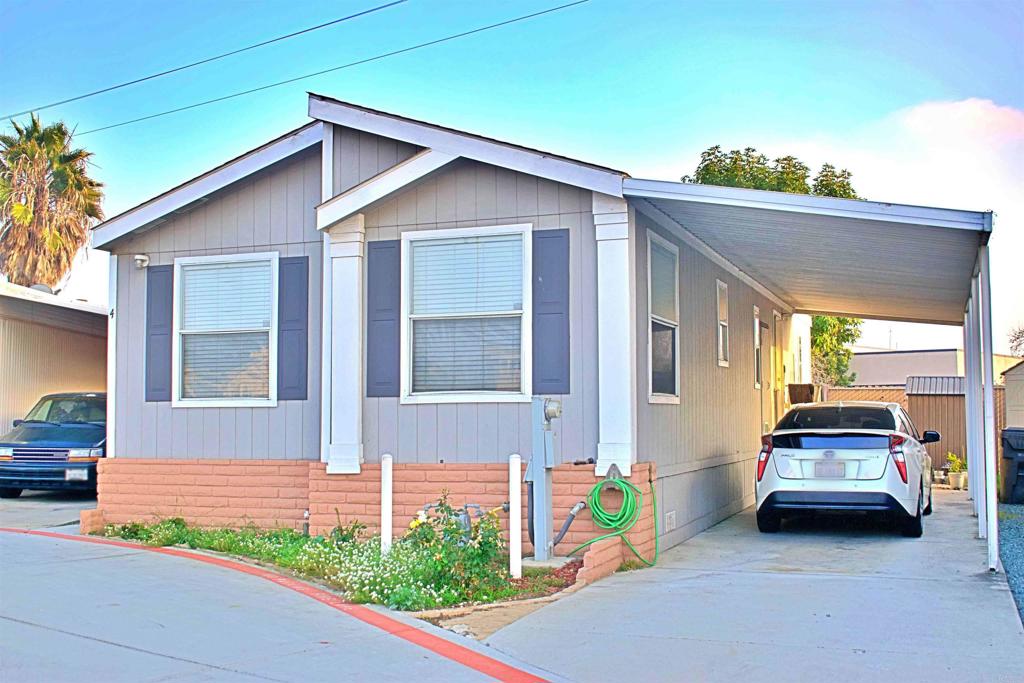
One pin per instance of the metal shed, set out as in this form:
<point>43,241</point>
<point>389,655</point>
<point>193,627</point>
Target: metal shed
<point>938,403</point>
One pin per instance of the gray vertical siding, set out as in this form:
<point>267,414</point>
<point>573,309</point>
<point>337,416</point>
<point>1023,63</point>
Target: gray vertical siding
<point>470,194</point>
<point>269,211</point>
<point>705,446</point>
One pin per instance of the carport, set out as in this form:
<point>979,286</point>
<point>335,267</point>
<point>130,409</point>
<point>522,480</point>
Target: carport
<point>860,259</point>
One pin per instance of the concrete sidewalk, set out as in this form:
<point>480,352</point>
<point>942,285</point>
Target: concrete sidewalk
<point>825,600</point>
<point>74,611</point>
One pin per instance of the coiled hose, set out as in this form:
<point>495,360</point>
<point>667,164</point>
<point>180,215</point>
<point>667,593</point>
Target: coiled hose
<point>624,519</point>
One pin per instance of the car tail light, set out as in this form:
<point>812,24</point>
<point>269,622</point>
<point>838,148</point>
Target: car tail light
<point>762,457</point>
<point>896,450</point>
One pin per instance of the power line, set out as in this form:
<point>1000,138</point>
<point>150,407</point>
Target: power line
<point>205,61</point>
<point>338,68</point>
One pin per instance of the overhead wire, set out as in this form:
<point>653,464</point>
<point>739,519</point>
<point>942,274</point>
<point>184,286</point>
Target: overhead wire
<point>359,62</point>
<point>207,60</point>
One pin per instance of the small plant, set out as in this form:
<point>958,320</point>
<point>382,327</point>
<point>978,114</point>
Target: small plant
<point>347,533</point>
<point>956,463</point>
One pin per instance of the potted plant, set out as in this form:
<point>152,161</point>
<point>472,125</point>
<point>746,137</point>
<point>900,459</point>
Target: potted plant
<point>957,471</point>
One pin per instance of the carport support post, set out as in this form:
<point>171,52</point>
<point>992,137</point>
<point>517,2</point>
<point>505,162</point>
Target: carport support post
<point>991,505</point>
<point>971,396</point>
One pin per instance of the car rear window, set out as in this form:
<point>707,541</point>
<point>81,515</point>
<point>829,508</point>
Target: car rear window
<point>833,441</point>
<point>837,417</point>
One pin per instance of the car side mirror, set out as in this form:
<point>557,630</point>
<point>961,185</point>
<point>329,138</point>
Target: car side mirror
<point>931,437</point>
<point>18,422</point>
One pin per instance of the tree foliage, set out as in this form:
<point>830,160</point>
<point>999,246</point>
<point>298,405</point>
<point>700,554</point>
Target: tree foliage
<point>830,336</point>
<point>1017,341</point>
<point>48,202</point>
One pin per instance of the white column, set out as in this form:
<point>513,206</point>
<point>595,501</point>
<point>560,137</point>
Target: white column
<point>988,379</point>
<point>326,192</point>
<point>347,246</point>
<point>969,404</point>
<point>616,357</point>
<point>976,414</point>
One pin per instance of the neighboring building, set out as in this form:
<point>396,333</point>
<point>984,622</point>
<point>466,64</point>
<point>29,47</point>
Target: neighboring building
<point>875,368</point>
<point>1014,379</point>
<point>47,345</point>
<point>370,284</point>
<point>938,403</point>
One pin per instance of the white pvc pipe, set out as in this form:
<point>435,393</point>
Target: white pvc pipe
<point>515,516</point>
<point>386,489</point>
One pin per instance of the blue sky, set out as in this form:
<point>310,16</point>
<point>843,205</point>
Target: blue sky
<point>640,86</point>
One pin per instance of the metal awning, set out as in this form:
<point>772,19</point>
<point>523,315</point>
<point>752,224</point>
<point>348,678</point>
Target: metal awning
<point>860,259</point>
<point>826,255</point>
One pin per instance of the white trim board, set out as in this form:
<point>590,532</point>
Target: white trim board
<point>206,184</point>
<point>111,357</point>
<point>665,221</point>
<point>505,155</point>
<point>977,221</point>
<point>380,186</point>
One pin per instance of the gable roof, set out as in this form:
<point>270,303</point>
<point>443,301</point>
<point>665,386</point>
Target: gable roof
<point>1013,368</point>
<point>469,145</point>
<point>152,210</point>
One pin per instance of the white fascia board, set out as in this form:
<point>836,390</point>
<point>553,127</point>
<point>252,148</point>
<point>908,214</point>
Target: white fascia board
<point>206,184</point>
<point>471,147</point>
<point>977,221</point>
<point>380,186</point>
<point>658,216</point>
<point>9,289</point>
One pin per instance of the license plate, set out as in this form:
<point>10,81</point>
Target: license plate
<point>76,475</point>
<point>830,470</point>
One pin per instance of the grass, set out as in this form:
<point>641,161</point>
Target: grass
<point>409,577</point>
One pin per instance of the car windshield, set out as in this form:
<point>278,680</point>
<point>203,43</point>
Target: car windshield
<point>62,409</point>
<point>838,417</point>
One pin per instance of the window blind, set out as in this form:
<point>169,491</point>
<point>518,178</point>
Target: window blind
<point>226,365</point>
<point>226,296</point>
<point>466,307</point>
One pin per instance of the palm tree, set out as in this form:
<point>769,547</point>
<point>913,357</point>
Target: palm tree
<point>48,202</point>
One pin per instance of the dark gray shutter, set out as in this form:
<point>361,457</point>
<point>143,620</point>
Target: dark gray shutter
<point>383,308</point>
<point>292,327</point>
<point>551,312</point>
<point>159,303</point>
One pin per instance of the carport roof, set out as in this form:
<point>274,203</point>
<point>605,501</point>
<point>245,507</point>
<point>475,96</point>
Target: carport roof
<point>825,255</point>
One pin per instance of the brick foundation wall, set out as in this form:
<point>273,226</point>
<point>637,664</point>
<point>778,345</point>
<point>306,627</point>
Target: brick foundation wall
<point>275,493</point>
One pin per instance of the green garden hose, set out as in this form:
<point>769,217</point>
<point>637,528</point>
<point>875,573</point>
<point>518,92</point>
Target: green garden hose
<point>623,519</point>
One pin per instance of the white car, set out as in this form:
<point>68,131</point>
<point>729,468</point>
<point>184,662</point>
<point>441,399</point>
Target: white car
<point>845,456</point>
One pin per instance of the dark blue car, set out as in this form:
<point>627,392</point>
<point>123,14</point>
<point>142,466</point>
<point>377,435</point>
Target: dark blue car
<point>56,446</point>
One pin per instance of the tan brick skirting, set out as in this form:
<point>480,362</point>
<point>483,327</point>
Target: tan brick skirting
<point>277,493</point>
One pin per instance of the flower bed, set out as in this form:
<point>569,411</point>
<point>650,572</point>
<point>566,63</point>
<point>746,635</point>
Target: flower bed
<point>447,558</point>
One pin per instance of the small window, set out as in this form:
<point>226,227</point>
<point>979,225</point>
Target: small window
<point>663,305</point>
<point>225,330</point>
<point>723,324</point>
<point>467,318</point>
<point>757,347</point>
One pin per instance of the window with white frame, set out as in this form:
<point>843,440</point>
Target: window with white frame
<point>225,330</point>
<point>466,314</point>
<point>723,323</point>
<point>663,306</point>
<point>757,348</point>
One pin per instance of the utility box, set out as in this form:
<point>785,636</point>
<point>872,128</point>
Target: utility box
<point>1011,469</point>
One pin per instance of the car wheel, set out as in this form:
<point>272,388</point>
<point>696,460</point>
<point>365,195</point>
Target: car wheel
<point>9,493</point>
<point>913,526</point>
<point>768,522</point>
<point>928,507</point>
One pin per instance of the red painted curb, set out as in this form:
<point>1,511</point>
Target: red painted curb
<point>440,646</point>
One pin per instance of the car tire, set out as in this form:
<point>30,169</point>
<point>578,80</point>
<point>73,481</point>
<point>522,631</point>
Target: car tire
<point>912,526</point>
<point>9,493</point>
<point>768,522</point>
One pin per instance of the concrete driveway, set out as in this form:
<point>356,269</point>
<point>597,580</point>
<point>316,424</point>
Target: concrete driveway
<point>44,509</point>
<point>75,611</point>
<point>825,600</point>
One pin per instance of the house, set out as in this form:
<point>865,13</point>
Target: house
<point>879,368</point>
<point>1014,379</point>
<point>47,344</point>
<point>372,285</point>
